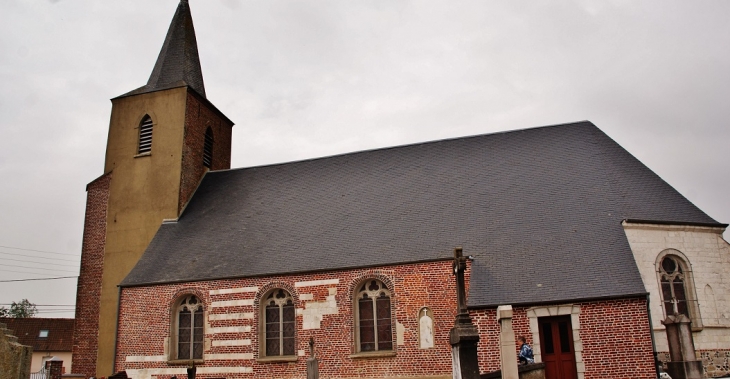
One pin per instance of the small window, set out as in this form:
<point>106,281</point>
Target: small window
<point>145,135</point>
<point>374,330</point>
<point>279,324</point>
<point>190,317</point>
<point>208,148</point>
<point>43,334</point>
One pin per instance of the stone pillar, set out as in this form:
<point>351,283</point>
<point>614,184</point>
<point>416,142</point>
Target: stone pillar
<point>312,362</point>
<point>464,336</point>
<point>684,363</point>
<point>507,343</point>
<point>54,368</point>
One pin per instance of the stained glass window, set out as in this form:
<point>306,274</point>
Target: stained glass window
<point>190,329</point>
<point>374,320</point>
<point>280,324</point>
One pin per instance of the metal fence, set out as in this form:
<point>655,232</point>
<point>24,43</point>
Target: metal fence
<point>41,374</point>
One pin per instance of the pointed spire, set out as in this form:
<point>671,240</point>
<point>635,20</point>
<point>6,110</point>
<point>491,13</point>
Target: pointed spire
<point>178,63</point>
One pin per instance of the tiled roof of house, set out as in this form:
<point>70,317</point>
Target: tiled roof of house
<point>540,211</point>
<point>59,336</point>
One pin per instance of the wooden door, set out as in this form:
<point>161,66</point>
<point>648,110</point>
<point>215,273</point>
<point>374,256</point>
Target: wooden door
<point>556,346</point>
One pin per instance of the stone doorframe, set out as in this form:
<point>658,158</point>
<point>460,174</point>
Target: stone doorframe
<point>558,310</point>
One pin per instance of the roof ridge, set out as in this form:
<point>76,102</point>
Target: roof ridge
<point>575,123</point>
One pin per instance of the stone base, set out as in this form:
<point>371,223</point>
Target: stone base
<point>685,370</point>
<point>531,371</point>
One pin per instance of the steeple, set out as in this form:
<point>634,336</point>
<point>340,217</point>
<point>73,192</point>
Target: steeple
<point>178,63</point>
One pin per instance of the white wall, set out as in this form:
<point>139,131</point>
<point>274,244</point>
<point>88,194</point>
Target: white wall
<point>709,257</point>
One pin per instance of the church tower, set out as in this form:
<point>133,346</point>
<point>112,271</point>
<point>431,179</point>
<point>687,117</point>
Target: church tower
<point>163,137</point>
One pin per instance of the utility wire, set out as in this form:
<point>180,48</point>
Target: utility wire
<point>38,268</point>
<point>39,251</point>
<point>37,257</point>
<point>42,263</point>
<point>27,280</point>
<point>44,305</point>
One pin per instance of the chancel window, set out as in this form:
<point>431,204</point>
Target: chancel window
<point>190,320</point>
<point>673,291</point>
<point>677,287</point>
<point>208,148</point>
<point>374,331</point>
<point>279,324</point>
<point>145,135</point>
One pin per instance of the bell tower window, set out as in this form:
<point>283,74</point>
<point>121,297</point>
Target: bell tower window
<point>208,148</point>
<point>145,136</point>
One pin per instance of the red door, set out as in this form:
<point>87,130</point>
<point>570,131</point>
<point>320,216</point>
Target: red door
<point>556,345</point>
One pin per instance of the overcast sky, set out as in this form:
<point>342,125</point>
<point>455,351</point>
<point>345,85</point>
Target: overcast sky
<point>304,79</point>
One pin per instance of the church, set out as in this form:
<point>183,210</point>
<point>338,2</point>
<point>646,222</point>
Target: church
<point>186,261</point>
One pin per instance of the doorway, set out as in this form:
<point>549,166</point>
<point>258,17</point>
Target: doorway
<point>556,345</point>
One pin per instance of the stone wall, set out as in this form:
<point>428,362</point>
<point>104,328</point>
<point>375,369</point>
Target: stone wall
<point>324,309</point>
<point>709,257</point>
<point>14,357</point>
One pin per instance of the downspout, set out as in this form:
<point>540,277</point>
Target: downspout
<point>653,343</point>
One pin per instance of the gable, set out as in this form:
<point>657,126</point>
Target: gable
<point>540,211</point>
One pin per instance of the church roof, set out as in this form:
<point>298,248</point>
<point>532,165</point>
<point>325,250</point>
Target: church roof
<point>540,211</point>
<point>178,64</point>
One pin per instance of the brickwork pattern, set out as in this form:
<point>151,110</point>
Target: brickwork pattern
<point>232,319</point>
<point>88,291</point>
<point>616,341</point>
<point>198,117</point>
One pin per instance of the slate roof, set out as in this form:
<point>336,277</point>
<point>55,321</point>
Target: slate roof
<point>60,332</point>
<point>178,63</point>
<point>540,211</point>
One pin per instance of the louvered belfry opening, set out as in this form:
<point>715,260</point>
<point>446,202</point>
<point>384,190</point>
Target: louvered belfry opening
<point>208,148</point>
<point>145,135</point>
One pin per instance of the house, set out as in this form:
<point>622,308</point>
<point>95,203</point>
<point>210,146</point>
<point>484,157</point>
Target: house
<point>49,337</point>
<point>186,261</point>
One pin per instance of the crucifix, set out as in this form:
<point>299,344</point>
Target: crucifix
<point>462,317</point>
<point>464,336</point>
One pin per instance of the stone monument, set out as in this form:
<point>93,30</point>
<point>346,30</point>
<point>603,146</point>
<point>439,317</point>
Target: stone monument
<point>684,363</point>
<point>464,336</point>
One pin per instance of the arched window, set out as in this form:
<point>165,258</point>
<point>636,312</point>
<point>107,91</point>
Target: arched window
<point>208,148</point>
<point>189,318</point>
<point>279,324</point>
<point>145,135</point>
<point>677,286</point>
<point>373,330</point>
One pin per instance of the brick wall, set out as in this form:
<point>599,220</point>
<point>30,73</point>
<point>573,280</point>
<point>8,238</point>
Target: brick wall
<point>145,324</point>
<point>199,115</point>
<point>88,291</point>
<point>614,336</point>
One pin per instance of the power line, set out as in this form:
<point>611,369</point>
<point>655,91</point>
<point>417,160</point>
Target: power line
<point>38,268</point>
<point>44,305</point>
<point>26,280</point>
<point>38,251</point>
<point>36,257</point>
<point>42,263</point>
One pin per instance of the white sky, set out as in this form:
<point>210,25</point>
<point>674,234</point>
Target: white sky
<point>303,79</point>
